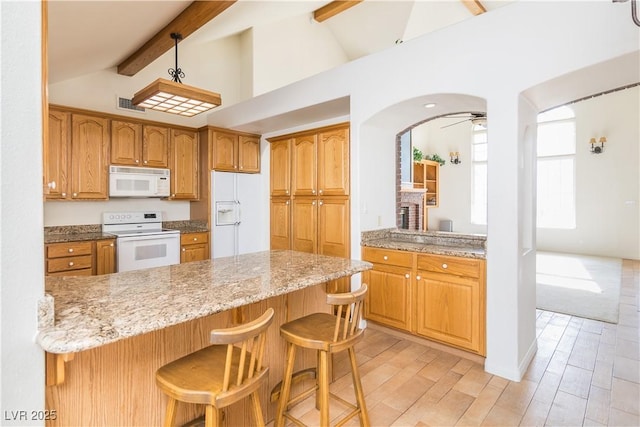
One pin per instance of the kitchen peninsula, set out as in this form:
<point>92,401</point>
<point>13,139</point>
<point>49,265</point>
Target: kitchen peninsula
<point>110,333</point>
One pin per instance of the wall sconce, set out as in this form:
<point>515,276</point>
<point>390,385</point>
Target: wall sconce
<point>595,148</point>
<point>455,157</point>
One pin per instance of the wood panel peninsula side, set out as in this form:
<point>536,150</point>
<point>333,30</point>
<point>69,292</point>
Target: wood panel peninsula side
<point>105,336</point>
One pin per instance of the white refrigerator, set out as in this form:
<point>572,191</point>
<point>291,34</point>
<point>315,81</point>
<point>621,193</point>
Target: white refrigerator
<point>238,223</point>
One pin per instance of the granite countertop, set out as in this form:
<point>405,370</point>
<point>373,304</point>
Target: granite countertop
<point>79,313</point>
<point>79,233</point>
<point>429,242</point>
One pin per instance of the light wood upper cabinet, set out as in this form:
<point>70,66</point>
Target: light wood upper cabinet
<point>224,151</point>
<point>135,144</point>
<point>184,165</point>
<point>333,162</point>
<point>126,143</point>
<point>248,154</point>
<point>234,152</point>
<point>105,256</point>
<point>155,146</point>
<point>89,157</point>
<point>56,155</point>
<point>281,168</point>
<point>303,165</point>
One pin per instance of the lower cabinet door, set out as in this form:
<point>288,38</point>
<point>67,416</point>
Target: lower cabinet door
<point>388,300</point>
<point>197,252</point>
<point>448,310</point>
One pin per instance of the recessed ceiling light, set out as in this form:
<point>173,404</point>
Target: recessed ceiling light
<point>429,105</point>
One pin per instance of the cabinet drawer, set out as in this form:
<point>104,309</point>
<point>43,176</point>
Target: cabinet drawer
<point>69,263</point>
<point>192,238</point>
<point>57,250</point>
<point>387,256</point>
<point>83,272</point>
<point>458,266</point>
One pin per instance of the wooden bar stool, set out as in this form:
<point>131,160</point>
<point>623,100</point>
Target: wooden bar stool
<point>328,334</point>
<point>220,374</point>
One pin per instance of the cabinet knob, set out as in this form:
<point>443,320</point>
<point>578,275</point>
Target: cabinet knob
<point>173,195</point>
<point>241,167</point>
<point>418,277</point>
<point>313,203</point>
<point>111,244</point>
<point>313,191</point>
<point>70,250</point>
<point>287,202</point>
<point>52,185</point>
<point>184,250</point>
<point>75,194</point>
<point>64,194</point>
<point>286,191</point>
<point>444,266</point>
<point>321,203</point>
<point>145,162</point>
<point>137,161</point>
<point>407,276</point>
<point>385,257</point>
<point>70,263</point>
<point>195,239</point>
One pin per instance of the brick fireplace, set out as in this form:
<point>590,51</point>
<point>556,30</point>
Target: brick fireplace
<point>411,204</point>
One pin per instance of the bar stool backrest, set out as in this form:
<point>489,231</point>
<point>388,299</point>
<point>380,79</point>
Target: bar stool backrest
<point>242,341</point>
<point>348,310</point>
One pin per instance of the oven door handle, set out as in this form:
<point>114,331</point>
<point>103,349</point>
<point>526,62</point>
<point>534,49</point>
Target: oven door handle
<point>137,239</point>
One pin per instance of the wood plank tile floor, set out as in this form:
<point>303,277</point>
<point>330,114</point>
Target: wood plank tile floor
<point>585,372</point>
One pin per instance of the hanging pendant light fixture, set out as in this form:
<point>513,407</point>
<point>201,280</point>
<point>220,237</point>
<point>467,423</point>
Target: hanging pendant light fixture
<point>175,97</point>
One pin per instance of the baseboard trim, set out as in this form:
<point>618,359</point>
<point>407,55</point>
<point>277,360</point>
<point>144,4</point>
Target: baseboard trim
<point>424,341</point>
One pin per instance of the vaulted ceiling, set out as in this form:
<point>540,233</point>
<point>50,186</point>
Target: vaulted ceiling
<point>89,36</point>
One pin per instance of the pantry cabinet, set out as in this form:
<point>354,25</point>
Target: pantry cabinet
<point>184,165</point>
<point>434,296</point>
<point>194,247</point>
<point>280,220</point>
<point>135,144</point>
<point>280,170</point>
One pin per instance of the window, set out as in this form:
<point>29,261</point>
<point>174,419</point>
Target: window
<point>479,175</point>
<point>556,168</point>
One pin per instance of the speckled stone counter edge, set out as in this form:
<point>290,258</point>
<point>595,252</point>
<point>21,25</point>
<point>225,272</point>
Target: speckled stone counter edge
<point>433,242</point>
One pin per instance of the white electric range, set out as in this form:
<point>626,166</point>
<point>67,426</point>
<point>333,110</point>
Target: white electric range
<point>141,241</point>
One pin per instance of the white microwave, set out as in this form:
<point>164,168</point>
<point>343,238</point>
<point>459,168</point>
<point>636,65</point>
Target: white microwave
<point>127,181</point>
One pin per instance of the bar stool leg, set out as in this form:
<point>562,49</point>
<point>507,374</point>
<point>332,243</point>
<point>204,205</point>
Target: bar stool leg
<point>357,385</point>
<point>323,391</point>
<point>170,415</point>
<point>211,416</point>
<point>286,386</point>
<point>257,409</point>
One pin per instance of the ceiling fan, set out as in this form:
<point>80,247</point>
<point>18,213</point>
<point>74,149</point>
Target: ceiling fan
<point>476,118</point>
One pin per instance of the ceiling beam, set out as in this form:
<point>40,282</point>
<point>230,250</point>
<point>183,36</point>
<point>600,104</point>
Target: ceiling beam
<point>332,9</point>
<point>474,6</point>
<point>193,17</point>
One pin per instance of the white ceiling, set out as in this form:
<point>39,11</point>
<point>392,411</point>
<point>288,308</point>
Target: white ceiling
<point>89,36</point>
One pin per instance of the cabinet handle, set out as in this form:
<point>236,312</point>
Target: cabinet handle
<point>111,244</point>
<point>286,191</point>
<point>64,194</point>
<point>319,191</point>
<point>444,266</point>
<point>321,203</point>
<point>287,202</point>
<point>407,276</point>
<point>385,257</point>
<point>70,250</point>
<point>417,277</point>
<point>137,161</point>
<point>70,263</point>
<point>184,250</point>
<point>52,185</point>
<point>173,195</point>
<point>313,191</point>
<point>145,162</point>
<point>241,167</point>
<point>195,239</point>
<point>313,203</point>
<point>75,194</point>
